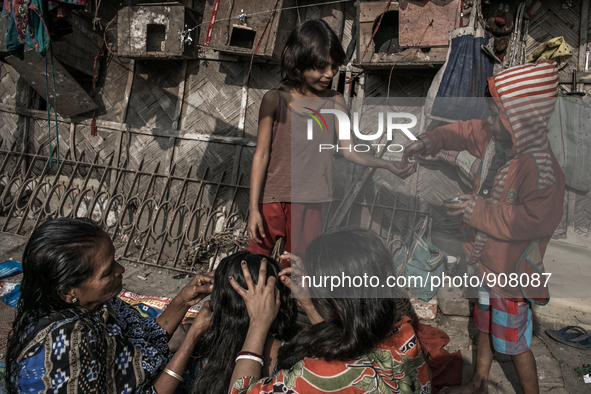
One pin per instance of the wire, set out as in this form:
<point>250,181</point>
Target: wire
<point>390,80</point>
<point>375,31</point>
<point>271,10</point>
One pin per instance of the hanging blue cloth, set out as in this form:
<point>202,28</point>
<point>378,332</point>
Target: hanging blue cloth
<point>464,78</point>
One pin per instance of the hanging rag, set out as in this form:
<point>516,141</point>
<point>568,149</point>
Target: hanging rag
<point>30,22</point>
<point>462,77</point>
<point>26,26</point>
<point>553,49</point>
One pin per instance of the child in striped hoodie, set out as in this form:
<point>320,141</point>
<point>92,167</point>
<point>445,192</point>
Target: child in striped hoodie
<point>512,213</point>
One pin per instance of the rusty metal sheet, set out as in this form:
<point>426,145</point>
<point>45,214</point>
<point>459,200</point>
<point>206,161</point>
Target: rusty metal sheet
<point>71,98</point>
<point>415,27</point>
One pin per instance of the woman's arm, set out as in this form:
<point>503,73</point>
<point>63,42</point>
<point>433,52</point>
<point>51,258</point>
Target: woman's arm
<point>260,162</point>
<point>166,383</point>
<point>262,303</point>
<point>190,295</point>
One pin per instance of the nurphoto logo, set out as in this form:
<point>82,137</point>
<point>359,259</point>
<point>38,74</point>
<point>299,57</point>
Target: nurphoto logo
<point>392,123</point>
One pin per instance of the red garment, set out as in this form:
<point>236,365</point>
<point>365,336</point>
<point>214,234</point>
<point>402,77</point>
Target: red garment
<point>446,367</point>
<point>508,232</point>
<point>297,224</point>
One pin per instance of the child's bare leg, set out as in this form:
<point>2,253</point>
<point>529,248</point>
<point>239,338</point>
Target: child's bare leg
<point>484,358</point>
<point>525,365</point>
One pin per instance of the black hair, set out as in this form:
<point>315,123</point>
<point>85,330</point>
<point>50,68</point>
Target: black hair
<point>57,256</point>
<point>352,326</point>
<point>309,45</point>
<point>229,325</point>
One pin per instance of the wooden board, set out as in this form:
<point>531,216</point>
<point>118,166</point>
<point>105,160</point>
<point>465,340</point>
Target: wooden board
<point>78,49</point>
<point>408,58</point>
<point>71,98</point>
<point>8,81</point>
<point>111,88</point>
<point>427,23</point>
<point>257,15</point>
<point>368,13</point>
<point>331,13</point>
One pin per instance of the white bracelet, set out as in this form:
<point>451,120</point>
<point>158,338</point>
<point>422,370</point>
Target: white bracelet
<point>250,357</point>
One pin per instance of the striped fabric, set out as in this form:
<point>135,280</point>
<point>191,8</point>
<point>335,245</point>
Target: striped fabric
<point>528,94</point>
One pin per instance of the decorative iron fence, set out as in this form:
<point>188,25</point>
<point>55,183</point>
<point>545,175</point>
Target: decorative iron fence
<point>167,220</point>
<point>175,221</point>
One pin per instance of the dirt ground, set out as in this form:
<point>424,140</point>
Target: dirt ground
<point>556,362</point>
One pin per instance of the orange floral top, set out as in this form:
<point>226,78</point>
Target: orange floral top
<point>396,365</point>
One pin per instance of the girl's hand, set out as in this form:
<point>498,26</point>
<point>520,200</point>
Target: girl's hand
<point>458,208</point>
<point>197,289</point>
<point>417,148</point>
<point>294,261</point>
<point>255,225</point>
<point>291,277</point>
<point>261,300</point>
<point>300,292</point>
<point>396,168</point>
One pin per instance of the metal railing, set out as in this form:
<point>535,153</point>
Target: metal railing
<point>172,221</point>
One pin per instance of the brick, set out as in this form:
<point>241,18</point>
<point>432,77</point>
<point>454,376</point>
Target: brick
<point>425,309</point>
<point>453,304</point>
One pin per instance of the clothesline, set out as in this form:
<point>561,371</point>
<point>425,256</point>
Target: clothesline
<point>186,32</point>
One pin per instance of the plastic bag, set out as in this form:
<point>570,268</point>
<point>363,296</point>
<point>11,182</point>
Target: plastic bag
<point>418,260</point>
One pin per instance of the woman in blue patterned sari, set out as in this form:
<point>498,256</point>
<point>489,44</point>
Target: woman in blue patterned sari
<point>73,335</point>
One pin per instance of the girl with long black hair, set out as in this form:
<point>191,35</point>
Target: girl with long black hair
<point>217,349</point>
<point>355,345</point>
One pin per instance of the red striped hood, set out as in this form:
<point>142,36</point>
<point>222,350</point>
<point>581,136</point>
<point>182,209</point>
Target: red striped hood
<point>528,95</point>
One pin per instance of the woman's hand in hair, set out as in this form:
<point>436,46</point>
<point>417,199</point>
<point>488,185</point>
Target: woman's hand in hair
<point>262,303</point>
<point>261,299</point>
<point>202,321</point>
<point>291,278</point>
<point>200,286</point>
<point>166,384</point>
<point>192,293</point>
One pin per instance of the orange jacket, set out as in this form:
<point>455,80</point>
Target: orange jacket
<point>508,232</point>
